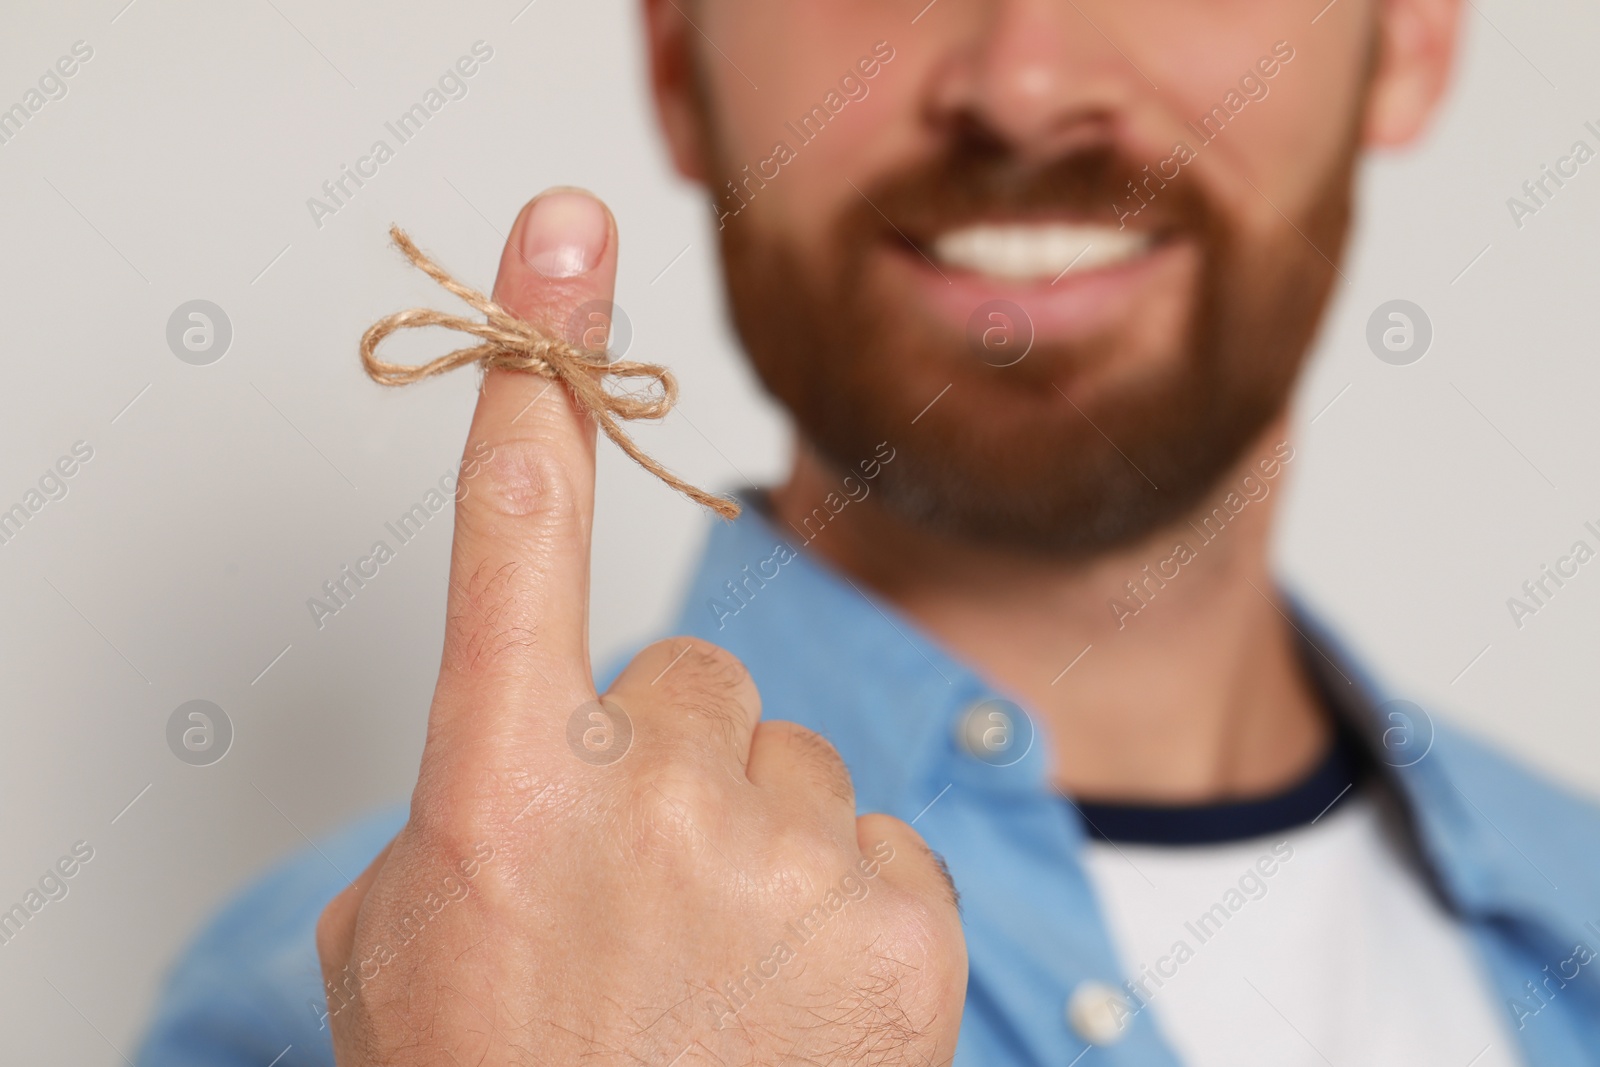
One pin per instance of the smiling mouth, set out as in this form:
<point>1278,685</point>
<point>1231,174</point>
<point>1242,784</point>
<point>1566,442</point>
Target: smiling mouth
<point>1037,251</point>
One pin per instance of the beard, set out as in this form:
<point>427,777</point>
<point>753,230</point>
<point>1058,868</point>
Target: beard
<point>1005,457</point>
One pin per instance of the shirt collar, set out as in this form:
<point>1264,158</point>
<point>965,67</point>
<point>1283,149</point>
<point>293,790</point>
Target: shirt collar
<point>1472,860</point>
<point>826,652</point>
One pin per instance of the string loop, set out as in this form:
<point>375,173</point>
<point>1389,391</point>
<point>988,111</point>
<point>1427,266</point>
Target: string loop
<point>512,343</point>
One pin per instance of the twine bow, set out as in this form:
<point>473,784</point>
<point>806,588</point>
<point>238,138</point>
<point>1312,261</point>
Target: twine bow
<point>514,344</point>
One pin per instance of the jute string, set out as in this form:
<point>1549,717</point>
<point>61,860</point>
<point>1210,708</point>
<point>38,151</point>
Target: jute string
<point>514,344</point>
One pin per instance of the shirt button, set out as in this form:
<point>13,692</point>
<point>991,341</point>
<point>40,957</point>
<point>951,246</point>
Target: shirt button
<point>1098,1013</point>
<point>996,732</point>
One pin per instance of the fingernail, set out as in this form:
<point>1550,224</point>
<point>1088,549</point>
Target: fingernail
<point>565,234</point>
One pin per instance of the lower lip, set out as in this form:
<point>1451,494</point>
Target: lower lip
<point>1076,306</point>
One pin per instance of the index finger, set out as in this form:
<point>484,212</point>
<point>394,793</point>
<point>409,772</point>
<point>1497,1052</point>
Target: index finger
<point>516,635</point>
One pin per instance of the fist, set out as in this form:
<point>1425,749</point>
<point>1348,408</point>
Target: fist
<point>652,877</point>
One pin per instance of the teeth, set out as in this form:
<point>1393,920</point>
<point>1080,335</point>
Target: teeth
<point>1034,251</point>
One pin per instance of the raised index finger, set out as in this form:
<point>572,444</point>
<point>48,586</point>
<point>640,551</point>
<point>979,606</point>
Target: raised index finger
<point>516,638</point>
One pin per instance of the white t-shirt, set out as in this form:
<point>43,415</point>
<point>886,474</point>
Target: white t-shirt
<point>1322,945</point>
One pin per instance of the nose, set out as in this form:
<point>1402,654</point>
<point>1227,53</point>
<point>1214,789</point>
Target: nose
<point>1038,75</point>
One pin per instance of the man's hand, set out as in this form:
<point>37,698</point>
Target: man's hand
<point>659,878</point>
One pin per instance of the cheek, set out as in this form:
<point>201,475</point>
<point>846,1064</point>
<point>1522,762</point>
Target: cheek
<point>1304,129</point>
<point>1284,143</point>
<point>1288,142</point>
<point>798,54</point>
<point>815,186</point>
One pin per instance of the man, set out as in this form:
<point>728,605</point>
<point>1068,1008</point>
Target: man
<point>1034,280</point>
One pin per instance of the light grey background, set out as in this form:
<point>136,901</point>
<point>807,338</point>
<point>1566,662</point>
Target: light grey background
<point>178,567</point>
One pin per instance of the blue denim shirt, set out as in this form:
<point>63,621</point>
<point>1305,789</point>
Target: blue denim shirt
<point>1516,858</point>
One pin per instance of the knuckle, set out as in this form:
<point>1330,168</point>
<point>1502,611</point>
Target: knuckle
<point>896,843</point>
<point>709,664</point>
<point>448,825</point>
<point>697,673</point>
<point>677,814</point>
<point>708,726</point>
<point>921,929</point>
<point>523,479</point>
<point>443,852</point>
<point>712,696</point>
<point>334,926</point>
<point>921,917</point>
<point>815,747</point>
<point>821,760</point>
<point>796,864</point>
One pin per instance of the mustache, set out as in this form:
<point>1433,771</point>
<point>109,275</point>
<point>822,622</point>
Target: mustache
<point>977,178</point>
